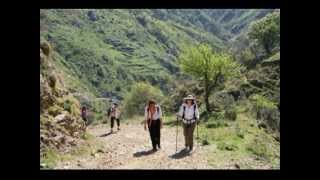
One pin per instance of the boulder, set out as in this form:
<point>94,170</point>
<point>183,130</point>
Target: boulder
<point>270,116</point>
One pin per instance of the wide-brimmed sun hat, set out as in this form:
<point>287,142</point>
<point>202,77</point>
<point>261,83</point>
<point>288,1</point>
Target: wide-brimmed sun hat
<point>189,97</point>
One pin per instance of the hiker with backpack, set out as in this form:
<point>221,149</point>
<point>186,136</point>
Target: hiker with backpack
<point>84,114</point>
<point>153,119</point>
<point>189,113</point>
<point>114,113</point>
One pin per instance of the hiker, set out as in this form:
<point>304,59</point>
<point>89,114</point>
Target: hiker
<point>153,118</point>
<point>84,114</point>
<point>189,113</point>
<point>114,113</point>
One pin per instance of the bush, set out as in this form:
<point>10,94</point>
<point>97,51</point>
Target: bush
<point>55,110</point>
<point>227,146</point>
<point>71,105</point>
<point>260,102</point>
<point>136,99</point>
<point>52,81</point>
<point>216,124</point>
<point>259,146</point>
<point>231,114</point>
<point>46,48</point>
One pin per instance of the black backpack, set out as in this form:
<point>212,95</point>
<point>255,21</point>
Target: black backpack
<point>158,109</point>
<point>110,110</point>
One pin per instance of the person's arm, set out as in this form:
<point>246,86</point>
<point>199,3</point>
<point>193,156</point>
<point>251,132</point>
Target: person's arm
<point>145,118</point>
<point>179,114</point>
<point>160,117</point>
<point>197,113</point>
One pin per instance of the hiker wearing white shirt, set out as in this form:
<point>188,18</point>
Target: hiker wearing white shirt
<point>153,119</point>
<point>189,114</point>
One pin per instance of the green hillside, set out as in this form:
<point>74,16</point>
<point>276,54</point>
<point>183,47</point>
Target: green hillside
<point>120,47</point>
<point>228,58</point>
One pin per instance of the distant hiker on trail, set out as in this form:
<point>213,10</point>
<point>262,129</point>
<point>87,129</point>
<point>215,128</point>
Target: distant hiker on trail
<point>189,114</point>
<point>153,118</point>
<point>84,114</point>
<point>114,113</point>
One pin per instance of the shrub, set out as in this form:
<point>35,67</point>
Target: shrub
<point>260,146</point>
<point>136,99</point>
<point>262,102</point>
<point>71,105</point>
<point>55,110</point>
<point>216,124</point>
<point>226,146</point>
<point>46,48</point>
<point>52,81</point>
<point>231,114</point>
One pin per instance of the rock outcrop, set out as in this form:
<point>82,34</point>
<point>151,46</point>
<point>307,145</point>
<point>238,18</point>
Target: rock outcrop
<point>60,121</point>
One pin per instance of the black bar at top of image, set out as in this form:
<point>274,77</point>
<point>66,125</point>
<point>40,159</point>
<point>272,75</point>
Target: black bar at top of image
<point>165,4</point>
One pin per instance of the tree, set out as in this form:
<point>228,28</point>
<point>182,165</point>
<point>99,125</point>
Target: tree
<point>136,99</point>
<point>209,67</point>
<point>266,31</point>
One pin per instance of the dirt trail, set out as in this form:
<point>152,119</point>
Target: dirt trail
<point>130,148</point>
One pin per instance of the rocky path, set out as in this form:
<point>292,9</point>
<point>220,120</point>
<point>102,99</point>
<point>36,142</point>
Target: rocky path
<point>130,148</point>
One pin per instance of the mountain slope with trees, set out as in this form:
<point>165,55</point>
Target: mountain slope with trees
<point>229,59</point>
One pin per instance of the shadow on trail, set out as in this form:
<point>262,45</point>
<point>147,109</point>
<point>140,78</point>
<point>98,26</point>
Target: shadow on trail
<point>181,154</point>
<point>107,134</point>
<point>143,153</point>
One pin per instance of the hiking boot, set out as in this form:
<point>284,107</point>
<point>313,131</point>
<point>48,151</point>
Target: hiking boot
<point>118,129</point>
<point>154,149</point>
<point>185,149</point>
<point>159,147</point>
<point>190,149</point>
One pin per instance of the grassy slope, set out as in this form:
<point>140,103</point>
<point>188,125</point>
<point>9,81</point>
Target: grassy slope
<point>238,142</point>
<point>117,49</point>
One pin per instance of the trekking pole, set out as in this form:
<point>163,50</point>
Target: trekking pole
<point>197,134</point>
<point>177,135</point>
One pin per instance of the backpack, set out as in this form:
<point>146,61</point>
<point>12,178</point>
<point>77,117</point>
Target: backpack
<point>148,120</point>
<point>158,109</point>
<point>194,111</point>
<point>110,110</point>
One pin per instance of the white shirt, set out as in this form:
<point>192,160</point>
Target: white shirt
<point>189,112</point>
<point>116,112</point>
<point>156,115</point>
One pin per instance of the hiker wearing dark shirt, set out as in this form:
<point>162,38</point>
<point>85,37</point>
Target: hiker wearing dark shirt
<point>84,114</point>
<point>114,113</point>
<point>153,119</point>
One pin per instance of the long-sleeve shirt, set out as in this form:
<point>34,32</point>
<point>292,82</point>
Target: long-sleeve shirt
<point>156,115</point>
<point>115,112</point>
<point>189,113</point>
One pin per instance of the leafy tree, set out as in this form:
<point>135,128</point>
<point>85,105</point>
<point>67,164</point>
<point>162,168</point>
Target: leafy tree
<point>136,99</point>
<point>266,31</point>
<point>209,67</point>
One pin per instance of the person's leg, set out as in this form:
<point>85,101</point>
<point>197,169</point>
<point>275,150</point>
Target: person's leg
<point>185,135</point>
<point>158,133</point>
<point>118,123</point>
<point>152,135</point>
<point>191,135</point>
<point>112,123</point>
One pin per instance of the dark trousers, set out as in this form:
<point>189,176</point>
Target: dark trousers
<point>112,121</point>
<point>154,130</point>
<point>188,130</point>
